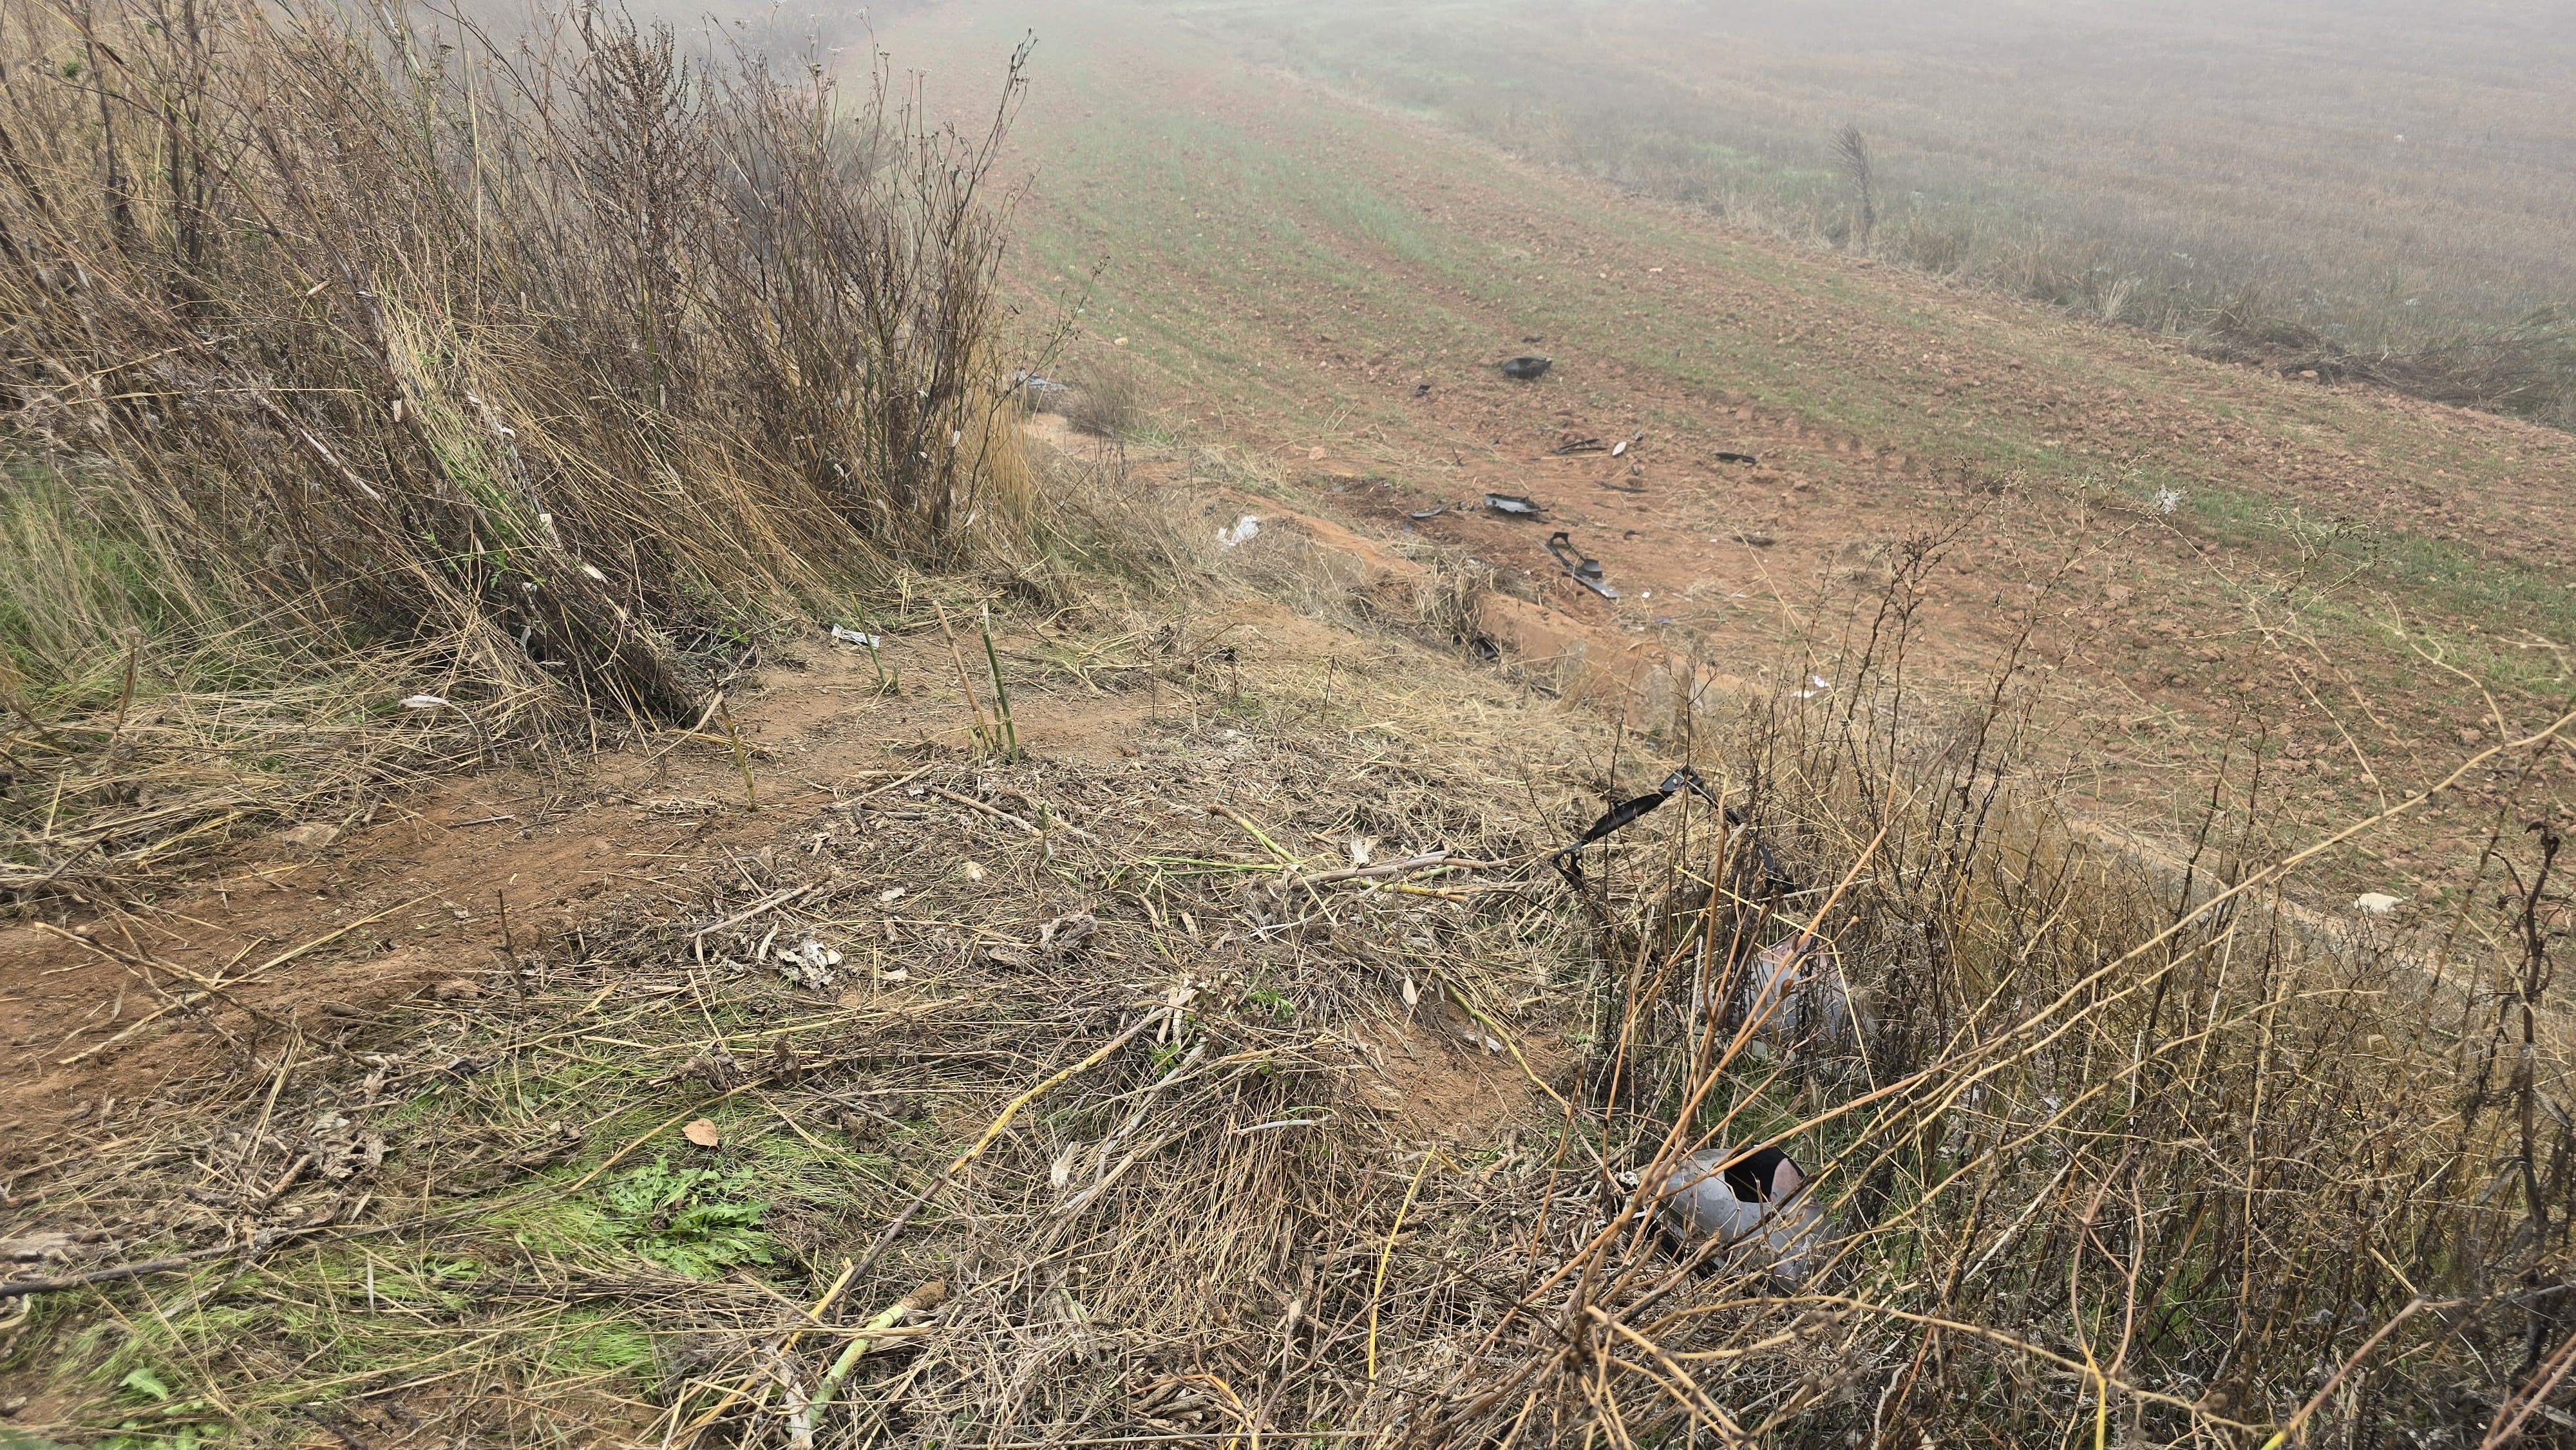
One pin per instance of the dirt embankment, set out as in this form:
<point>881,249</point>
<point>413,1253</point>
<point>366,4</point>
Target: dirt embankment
<point>448,895</point>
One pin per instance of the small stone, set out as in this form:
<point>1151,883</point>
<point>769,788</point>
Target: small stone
<point>310,836</point>
<point>455,989</point>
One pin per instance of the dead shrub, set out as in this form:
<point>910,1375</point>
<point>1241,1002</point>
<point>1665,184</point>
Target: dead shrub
<point>557,370</point>
<point>1107,400</point>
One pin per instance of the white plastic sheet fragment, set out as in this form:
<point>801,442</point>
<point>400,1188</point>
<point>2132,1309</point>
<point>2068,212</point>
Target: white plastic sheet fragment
<point>809,964</point>
<point>1776,1230</point>
<point>1243,530</point>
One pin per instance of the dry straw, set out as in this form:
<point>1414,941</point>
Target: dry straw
<point>375,358</point>
<point>2112,1157</point>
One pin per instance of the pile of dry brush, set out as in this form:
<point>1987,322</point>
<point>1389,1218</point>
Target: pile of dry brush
<point>538,377</point>
<point>2113,1156</point>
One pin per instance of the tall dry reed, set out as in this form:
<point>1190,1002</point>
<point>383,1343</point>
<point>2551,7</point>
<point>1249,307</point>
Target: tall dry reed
<point>563,365</point>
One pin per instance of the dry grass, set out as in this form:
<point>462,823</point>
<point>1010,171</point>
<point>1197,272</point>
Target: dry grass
<point>1201,1130</point>
<point>2146,1158</point>
<point>1107,400</point>
<point>544,379</point>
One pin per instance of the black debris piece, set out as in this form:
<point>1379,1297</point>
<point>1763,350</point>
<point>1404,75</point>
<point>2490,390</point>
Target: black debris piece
<point>1533,339</point>
<point>1433,512</point>
<point>1750,1177</point>
<point>1737,458</point>
<point>1584,569</point>
<point>1577,445</point>
<point>1568,859</point>
<point>1515,505</point>
<point>1522,369</point>
<point>1422,390</point>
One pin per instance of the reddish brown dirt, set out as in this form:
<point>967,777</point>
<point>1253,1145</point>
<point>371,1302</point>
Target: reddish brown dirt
<point>428,899</point>
<point>2155,648</point>
<point>1329,287</point>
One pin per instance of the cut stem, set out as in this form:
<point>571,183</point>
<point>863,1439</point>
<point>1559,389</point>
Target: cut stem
<point>965,682</point>
<point>742,758</point>
<point>1001,693</point>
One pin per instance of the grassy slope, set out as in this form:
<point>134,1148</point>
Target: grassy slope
<point>2193,150</point>
<point>1291,263</point>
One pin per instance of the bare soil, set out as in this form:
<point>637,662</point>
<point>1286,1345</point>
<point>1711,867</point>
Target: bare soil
<point>2185,565</point>
<point>108,1019</point>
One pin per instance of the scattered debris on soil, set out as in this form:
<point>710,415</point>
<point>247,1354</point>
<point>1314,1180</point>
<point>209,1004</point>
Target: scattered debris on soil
<point>1582,568</point>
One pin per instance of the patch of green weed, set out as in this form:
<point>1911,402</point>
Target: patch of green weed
<point>694,1221</point>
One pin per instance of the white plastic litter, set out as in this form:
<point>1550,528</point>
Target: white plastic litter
<point>1694,1204</point>
<point>1244,529</point>
<point>424,702</point>
<point>809,964</point>
<point>2374,903</point>
<point>1794,999</point>
<point>863,641</point>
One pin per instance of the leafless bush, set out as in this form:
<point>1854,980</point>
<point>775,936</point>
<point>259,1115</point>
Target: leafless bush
<point>554,367</point>
<point>1107,400</point>
<point>2144,1148</point>
<point>1852,149</point>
